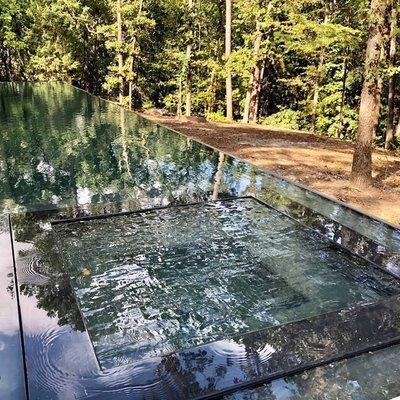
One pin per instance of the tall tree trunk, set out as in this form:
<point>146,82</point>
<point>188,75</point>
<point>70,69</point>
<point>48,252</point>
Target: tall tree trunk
<point>179,106</point>
<point>228,51</point>
<point>132,63</point>
<point>188,108</point>
<point>361,173</point>
<point>255,103</point>
<point>343,97</point>
<point>120,56</point>
<point>316,95</point>
<point>319,72</point>
<point>392,54</point>
<point>397,131</point>
<point>253,89</point>
<point>211,92</point>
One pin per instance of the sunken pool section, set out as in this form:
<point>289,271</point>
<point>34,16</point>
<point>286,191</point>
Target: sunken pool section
<point>137,264</point>
<point>155,282</point>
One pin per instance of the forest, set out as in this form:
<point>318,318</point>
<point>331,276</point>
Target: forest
<point>329,67</point>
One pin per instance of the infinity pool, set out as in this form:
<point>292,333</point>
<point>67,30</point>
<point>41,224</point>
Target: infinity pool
<point>139,264</point>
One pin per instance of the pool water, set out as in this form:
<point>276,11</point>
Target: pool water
<point>372,376</point>
<point>112,307</point>
<point>154,282</point>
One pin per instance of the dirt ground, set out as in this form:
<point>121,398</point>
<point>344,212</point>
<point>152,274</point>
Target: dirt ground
<point>318,162</point>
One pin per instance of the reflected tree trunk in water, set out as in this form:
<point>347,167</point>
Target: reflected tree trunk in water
<point>124,144</point>
<point>218,176</point>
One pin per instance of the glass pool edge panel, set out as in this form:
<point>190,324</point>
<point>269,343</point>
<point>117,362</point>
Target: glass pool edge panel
<point>354,242</point>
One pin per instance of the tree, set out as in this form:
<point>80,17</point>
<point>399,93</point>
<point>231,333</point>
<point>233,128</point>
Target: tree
<point>253,91</point>
<point>123,37</point>
<point>292,64</point>
<point>188,109</point>
<point>228,50</point>
<point>120,56</point>
<point>361,173</point>
<point>392,53</point>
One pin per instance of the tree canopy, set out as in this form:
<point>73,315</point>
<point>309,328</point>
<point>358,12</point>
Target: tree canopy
<point>298,65</point>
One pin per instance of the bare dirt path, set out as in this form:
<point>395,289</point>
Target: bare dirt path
<point>321,163</point>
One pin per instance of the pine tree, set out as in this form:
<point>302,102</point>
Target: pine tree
<point>361,173</point>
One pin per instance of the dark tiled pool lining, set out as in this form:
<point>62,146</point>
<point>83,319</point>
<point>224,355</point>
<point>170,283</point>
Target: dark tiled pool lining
<point>331,336</point>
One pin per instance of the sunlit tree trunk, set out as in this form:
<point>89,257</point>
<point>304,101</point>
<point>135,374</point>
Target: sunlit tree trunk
<point>343,97</point>
<point>253,91</point>
<point>319,77</point>
<point>361,173</point>
<point>132,62</point>
<point>392,54</point>
<point>228,51</point>
<point>120,56</point>
<point>188,108</point>
<point>179,106</point>
<point>255,105</point>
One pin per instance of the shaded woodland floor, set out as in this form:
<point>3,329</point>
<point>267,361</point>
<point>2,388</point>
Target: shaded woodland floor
<point>318,162</point>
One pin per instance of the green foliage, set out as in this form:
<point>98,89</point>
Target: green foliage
<point>287,118</point>
<point>311,51</point>
<point>217,116</point>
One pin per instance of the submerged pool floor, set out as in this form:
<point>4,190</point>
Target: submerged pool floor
<point>150,283</point>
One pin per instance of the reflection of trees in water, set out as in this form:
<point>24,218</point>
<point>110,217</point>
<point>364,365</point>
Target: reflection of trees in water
<point>58,300</point>
<point>57,139</point>
<point>218,176</point>
<point>55,295</point>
